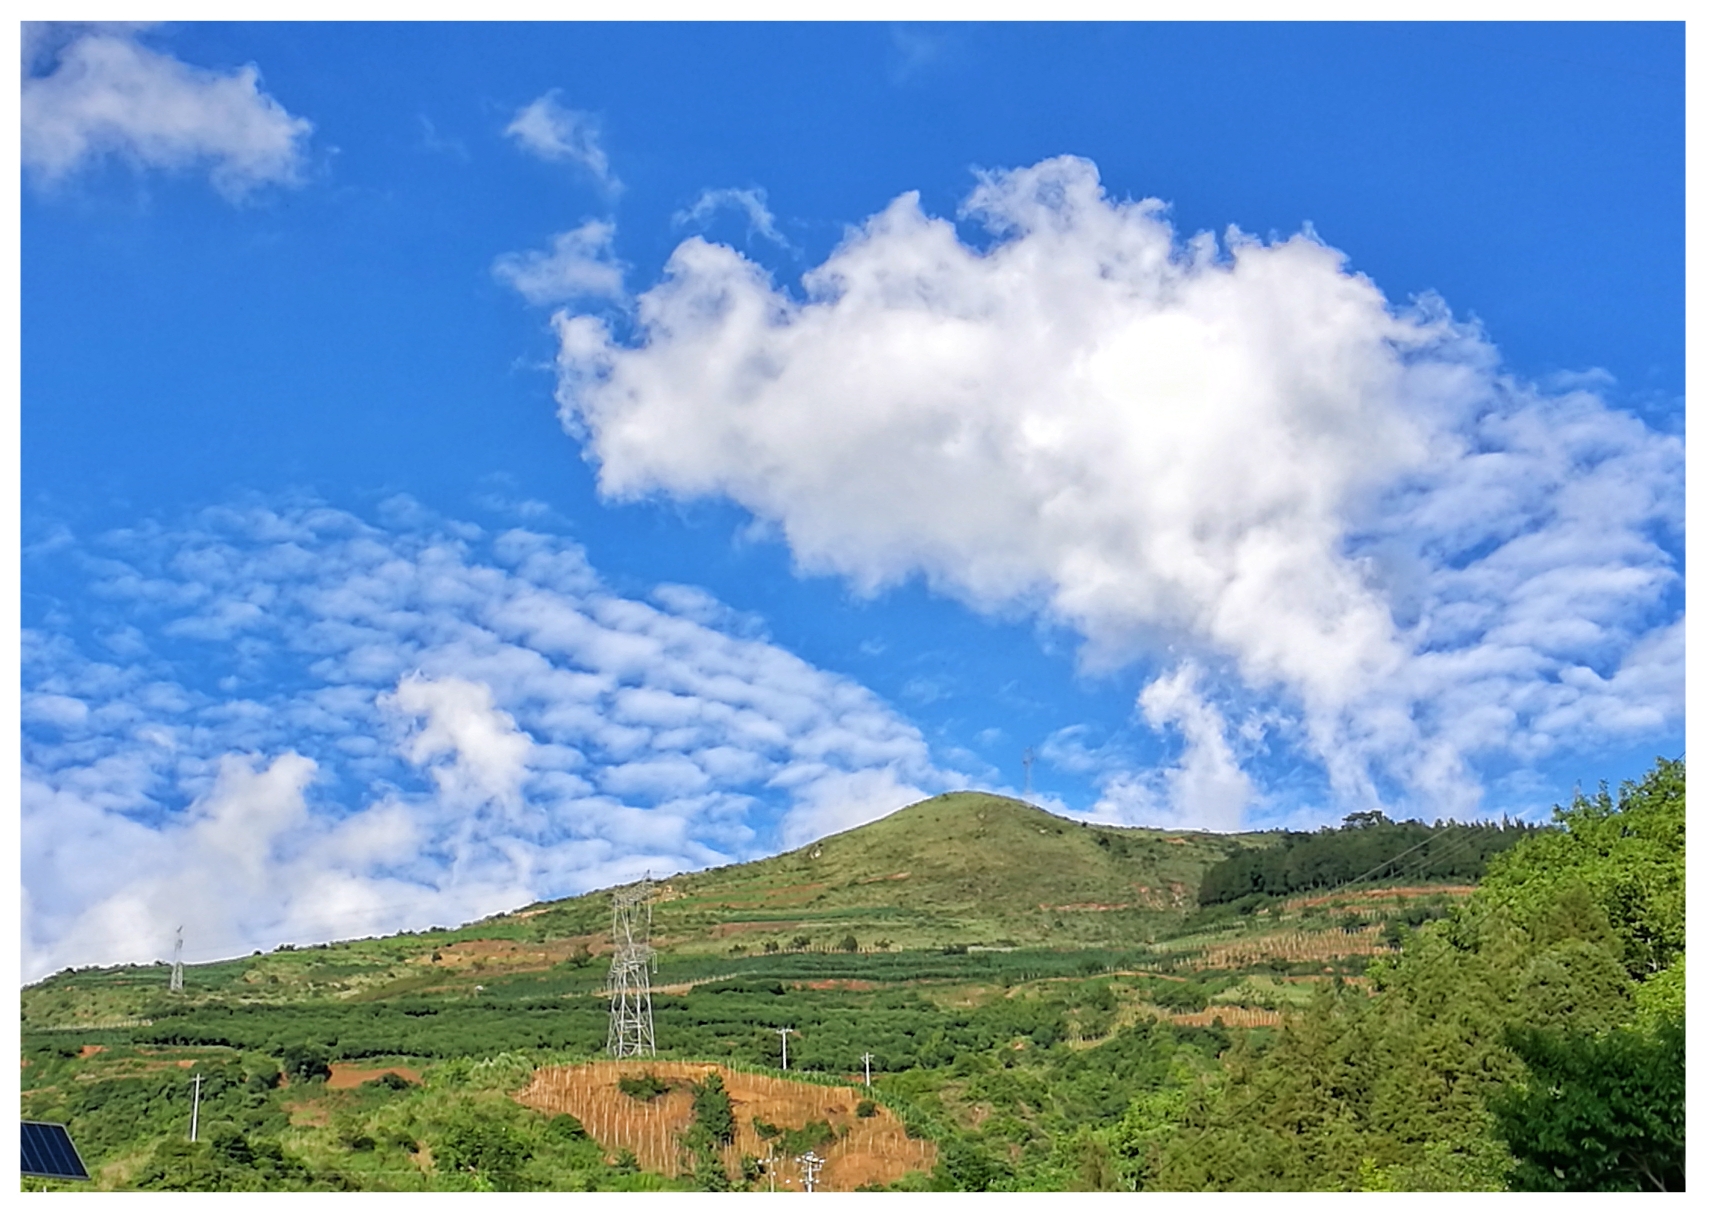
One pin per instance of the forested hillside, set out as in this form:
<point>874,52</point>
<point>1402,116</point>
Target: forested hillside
<point>1368,846</point>
<point>1402,1033</point>
<point>1535,1038</point>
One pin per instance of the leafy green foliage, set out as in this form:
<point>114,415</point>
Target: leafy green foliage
<point>712,1110</point>
<point>1509,1021</point>
<point>643,1087</point>
<point>490,1151</point>
<point>1367,847</point>
<point>1598,1113</point>
<point>813,1135</point>
<point>1628,853</point>
<point>305,1063</point>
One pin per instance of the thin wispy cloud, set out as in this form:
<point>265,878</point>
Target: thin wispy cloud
<point>577,264</point>
<point>104,94</point>
<point>550,131</point>
<point>752,203</point>
<point>321,726</point>
<point>1234,460</point>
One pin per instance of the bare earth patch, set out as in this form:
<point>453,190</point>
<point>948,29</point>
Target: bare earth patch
<point>345,1077</point>
<point>874,1150</point>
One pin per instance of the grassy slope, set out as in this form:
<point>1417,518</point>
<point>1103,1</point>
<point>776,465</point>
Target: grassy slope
<point>962,868</point>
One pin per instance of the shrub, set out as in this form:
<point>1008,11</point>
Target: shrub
<point>566,1127</point>
<point>391,1082</point>
<point>643,1087</point>
<point>713,1110</point>
<point>811,1136</point>
<point>866,1109</point>
<point>305,1063</point>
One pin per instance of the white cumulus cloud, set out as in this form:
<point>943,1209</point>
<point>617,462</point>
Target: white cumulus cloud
<point>549,131</point>
<point>1234,451</point>
<point>107,94</point>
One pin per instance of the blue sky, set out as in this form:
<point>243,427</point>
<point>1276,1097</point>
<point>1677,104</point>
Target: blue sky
<point>468,464</point>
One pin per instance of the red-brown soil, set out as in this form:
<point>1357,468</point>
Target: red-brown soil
<point>345,1077</point>
<point>872,1150</point>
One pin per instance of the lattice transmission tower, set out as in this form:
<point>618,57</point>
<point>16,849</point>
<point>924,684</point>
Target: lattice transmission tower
<point>631,1021</point>
<point>176,983</point>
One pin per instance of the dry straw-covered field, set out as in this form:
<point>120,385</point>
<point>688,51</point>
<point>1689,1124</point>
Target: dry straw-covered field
<point>870,1150</point>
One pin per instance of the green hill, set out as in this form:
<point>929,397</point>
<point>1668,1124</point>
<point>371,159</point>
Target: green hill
<point>962,868</point>
<point>1043,1000</point>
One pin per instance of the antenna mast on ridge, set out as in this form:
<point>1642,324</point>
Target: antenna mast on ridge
<point>1030,757</point>
<point>631,1019</point>
<point>176,983</point>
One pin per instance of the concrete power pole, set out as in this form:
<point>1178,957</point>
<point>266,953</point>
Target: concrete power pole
<point>868,1058</point>
<point>631,1018</point>
<point>176,983</point>
<point>809,1165</point>
<point>1030,757</point>
<point>196,1100</point>
<point>785,1032</point>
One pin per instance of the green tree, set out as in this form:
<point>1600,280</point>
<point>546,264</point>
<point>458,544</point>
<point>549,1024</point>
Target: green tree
<point>1598,1113</point>
<point>485,1148</point>
<point>305,1062</point>
<point>712,1109</point>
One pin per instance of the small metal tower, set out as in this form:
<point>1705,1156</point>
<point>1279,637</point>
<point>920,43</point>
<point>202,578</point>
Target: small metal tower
<point>1030,758</point>
<point>176,983</point>
<point>631,1021</point>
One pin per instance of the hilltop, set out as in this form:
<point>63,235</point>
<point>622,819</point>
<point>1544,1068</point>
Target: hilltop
<point>962,868</point>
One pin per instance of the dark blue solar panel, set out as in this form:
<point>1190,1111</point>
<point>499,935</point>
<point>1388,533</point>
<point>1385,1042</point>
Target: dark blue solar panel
<point>49,1153</point>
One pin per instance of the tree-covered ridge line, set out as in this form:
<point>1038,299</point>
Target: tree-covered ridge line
<point>1367,846</point>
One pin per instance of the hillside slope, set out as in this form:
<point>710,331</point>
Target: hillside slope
<point>961,868</point>
<point>965,868</point>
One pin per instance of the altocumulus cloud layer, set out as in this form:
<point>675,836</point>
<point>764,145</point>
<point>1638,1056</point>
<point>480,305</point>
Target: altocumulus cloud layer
<point>285,723</point>
<point>1332,525</point>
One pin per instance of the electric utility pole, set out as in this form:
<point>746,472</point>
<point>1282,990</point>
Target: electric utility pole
<point>809,1165</point>
<point>176,983</point>
<point>868,1057</point>
<point>1030,757</point>
<point>196,1099</point>
<point>785,1032</point>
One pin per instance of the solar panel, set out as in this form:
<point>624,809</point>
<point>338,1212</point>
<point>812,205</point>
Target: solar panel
<point>49,1153</point>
